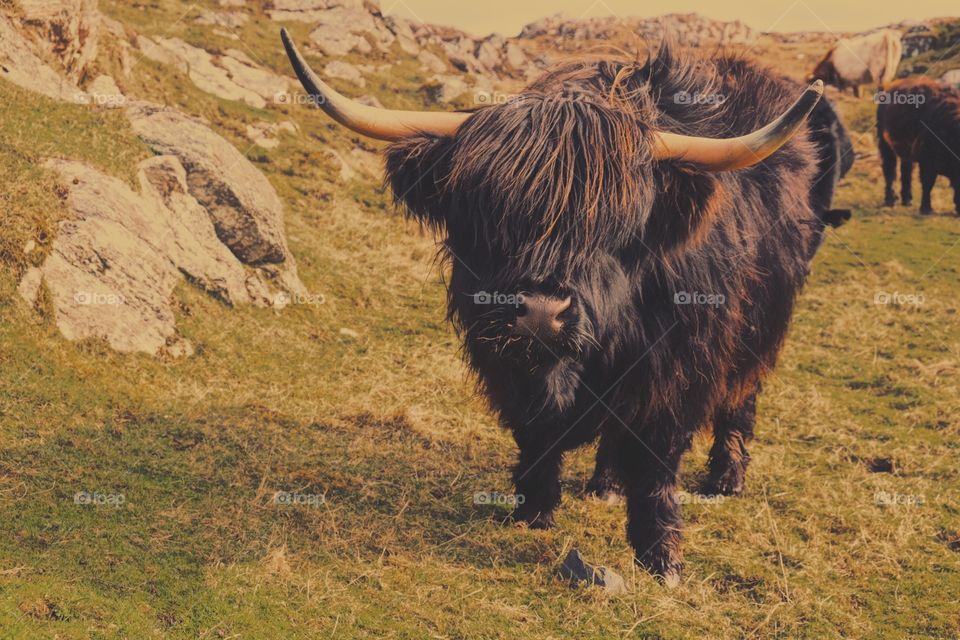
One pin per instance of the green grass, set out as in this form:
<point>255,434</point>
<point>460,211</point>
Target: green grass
<point>386,427</point>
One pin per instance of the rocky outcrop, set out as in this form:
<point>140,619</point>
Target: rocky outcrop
<point>66,31</point>
<point>22,66</point>
<point>116,260</point>
<point>231,75</point>
<point>226,19</point>
<point>688,29</point>
<point>444,88</point>
<point>345,71</point>
<point>265,133</point>
<point>242,204</point>
<point>918,39</point>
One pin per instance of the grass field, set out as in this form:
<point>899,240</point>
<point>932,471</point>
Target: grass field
<point>849,526</point>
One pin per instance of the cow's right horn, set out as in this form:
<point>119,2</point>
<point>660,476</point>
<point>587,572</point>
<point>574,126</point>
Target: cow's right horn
<point>727,154</point>
<point>383,124</point>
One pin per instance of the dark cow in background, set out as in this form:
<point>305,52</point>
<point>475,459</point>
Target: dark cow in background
<point>918,120</point>
<point>641,256</point>
<point>869,59</point>
<point>835,157</point>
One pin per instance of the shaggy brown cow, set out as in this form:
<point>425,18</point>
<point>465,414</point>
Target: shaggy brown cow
<point>624,260</point>
<point>919,121</point>
<point>869,59</point>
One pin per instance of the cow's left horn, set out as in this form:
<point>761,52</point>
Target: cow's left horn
<point>383,124</point>
<point>728,154</point>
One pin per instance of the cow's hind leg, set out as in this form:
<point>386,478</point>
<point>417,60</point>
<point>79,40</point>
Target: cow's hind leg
<point>648,472</point>
<point>729,458</point>
<point>889,161</point>
<point>928,176</point>
<point>906,181</point>
<point>604,484</point>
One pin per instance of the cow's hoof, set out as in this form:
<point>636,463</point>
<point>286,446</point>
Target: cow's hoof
<point>609,497</point>
<point>925,211</point>
<point>727,486</point>
<point>666,572</point>
<point>889,202</point>
<point>534,520</point>
<point>605,490</point>
<point>671,580</point>
<point>729,482</point>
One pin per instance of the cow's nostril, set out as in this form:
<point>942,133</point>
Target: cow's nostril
<point>539,316</point>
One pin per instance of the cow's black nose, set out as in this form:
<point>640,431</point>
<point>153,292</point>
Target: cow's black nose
<point>539,316</point>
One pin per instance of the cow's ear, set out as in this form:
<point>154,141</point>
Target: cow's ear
<point>687,201</point>
<point>417,168</point>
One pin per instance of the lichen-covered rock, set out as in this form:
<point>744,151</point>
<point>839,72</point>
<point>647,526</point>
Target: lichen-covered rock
<point>66,30</point>
<point>227,19</point>
<point>345,71</point>
<point>243,205</point>
<point>445,88</point>
<point>117,258</point>
<point>208,76</point>
<point>251,76</point>
<point>265,133</point>
<point>21,66</point>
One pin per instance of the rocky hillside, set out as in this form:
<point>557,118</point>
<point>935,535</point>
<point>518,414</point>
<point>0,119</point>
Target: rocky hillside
<point>205,105</point>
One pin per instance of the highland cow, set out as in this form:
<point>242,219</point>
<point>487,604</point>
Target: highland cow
<point>871,58</point>
<point>623,264</point>
<point>919,121</point>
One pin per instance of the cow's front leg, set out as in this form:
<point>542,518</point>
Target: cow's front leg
<point>648,470</point>
<point>955,183</point>
<point>928,177</point>
<point>604,484</point>
<point>888,160</point>
<point>732,430</point>
<point>537,479</point>
<point>906,181</point>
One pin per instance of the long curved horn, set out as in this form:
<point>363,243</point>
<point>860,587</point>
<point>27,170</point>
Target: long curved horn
<point>736,153</point>
<point>383,124</point>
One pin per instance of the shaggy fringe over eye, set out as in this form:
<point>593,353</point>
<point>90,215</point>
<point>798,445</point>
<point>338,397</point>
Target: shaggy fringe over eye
<point>560,165</point>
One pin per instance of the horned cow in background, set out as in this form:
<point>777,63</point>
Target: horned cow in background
<point>646,252</point>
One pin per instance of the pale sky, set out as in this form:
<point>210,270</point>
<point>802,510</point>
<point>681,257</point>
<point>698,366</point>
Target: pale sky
<point>508,16</point>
